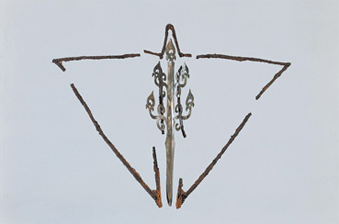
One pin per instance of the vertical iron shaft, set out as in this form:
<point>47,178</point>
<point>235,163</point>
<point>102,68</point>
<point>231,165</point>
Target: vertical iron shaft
<point>169,142</point>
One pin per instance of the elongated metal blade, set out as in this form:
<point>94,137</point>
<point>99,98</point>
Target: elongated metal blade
<point>169,167</point>
<point>169,142</point>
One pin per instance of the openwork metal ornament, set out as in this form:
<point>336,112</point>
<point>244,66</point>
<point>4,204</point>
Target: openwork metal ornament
<point>170,112</point>
<point>171,89</point>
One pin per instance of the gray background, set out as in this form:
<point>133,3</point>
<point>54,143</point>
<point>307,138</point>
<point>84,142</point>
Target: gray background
<point>282,168</point>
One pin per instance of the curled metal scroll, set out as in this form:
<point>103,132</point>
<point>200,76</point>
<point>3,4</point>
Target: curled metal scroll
<point>181,81</point>
<point>159,117</point>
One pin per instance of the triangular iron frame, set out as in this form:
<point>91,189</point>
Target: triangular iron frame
<point>181,194</point>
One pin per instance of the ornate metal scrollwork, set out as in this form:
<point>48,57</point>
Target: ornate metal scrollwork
<point>170,87</point>
<point>160,79</point>
<point>174,117</point>
<point>181,81</point>
<point>182,76</point>
<point>189,104</point>
<point>159,117</point>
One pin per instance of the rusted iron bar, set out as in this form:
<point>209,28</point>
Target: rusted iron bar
<point>161,54</point>
<point>237,58</point>
<point>58,61</point>
<point>155,194</point>
<point>182,195</point>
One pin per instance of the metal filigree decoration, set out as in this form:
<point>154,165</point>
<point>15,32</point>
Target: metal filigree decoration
<point>181,81</point>
<point>173,90</point>
<point>170,114</point>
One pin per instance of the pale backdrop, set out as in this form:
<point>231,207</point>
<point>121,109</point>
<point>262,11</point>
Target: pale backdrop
<point>282,168</point>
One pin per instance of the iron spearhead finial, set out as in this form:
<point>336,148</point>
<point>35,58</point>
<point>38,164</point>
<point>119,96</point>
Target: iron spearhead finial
<point>170,51</point>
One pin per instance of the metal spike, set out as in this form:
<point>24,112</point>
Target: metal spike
<point>170,51</point>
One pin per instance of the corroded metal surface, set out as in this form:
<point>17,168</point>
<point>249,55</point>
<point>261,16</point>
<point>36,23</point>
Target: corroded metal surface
<point>159,117</point>
<point>168,93</point>
<point>169,142</point>
<point>182,195</point>
<point>174,110</point>
<point>58,61</point>
<point>155,194</point>
<point>237,58</point>
<point>161,54</point>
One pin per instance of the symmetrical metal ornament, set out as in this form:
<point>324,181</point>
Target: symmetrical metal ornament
<point>170,114</point>
<point>174,117</point>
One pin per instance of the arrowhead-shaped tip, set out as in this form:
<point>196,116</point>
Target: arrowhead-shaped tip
<point>189,100</point>
<point>185,67</point>
<point>170,49</point>
<point>157,69</point>
<point>150,102</point>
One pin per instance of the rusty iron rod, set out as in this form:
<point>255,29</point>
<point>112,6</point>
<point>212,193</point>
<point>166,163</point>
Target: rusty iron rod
<point>58,61</point>
<point>240,59</point>
<point>155,194</point>
<point>161,54</point>
<point>182,195</point>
